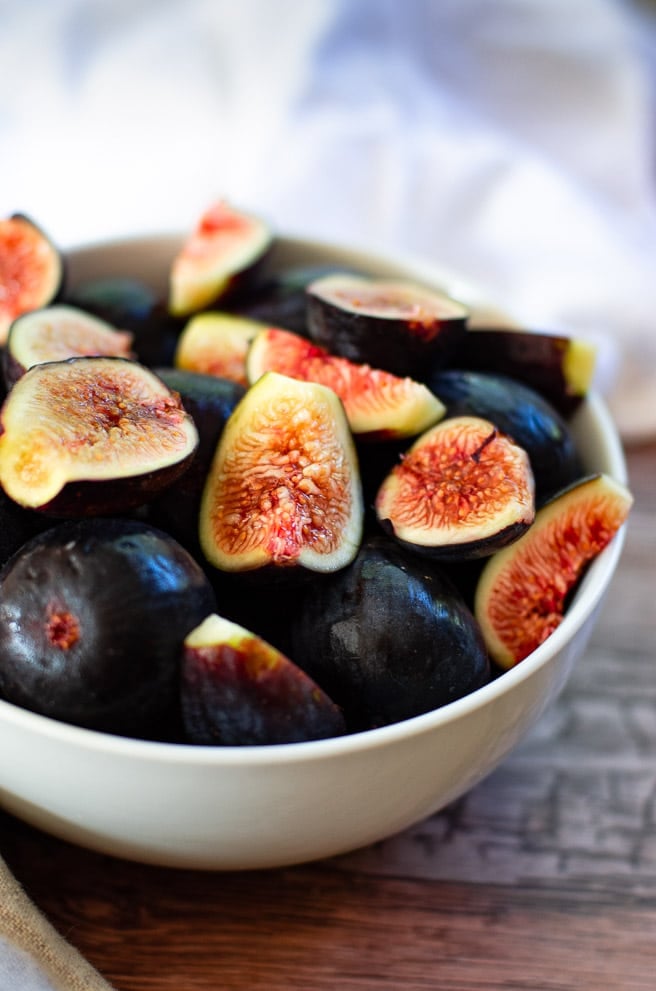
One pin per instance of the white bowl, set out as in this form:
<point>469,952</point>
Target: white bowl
<point>259,807</point>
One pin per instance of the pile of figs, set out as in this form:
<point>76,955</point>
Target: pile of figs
<point>275,506</point>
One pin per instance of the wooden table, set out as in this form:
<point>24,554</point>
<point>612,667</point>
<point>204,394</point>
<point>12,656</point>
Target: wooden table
<point>542,878</point>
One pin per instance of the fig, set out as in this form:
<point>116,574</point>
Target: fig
<point>378,405</point>
<point>463,490</point>
<point>219,255</point>
<point>31,270</point>
<point>388,638</point>
<point>522,413</point>
<point>399,326</point>
<point>283,491</point>
<point>216,343</point>
<point>209,401</point>
<point>92,436</point>
<point>56,332</point>
<point>93,615</point>
<point>560,368</point>
<point>523,591</point>
<point>130,304</point>
<point>239,690</point>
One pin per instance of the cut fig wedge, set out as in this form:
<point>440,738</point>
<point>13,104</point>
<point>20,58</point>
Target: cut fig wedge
<point>560,368</point>
<point>88,436</point>
<point>239,690</point>
<point>378,405</point>
<point>57,332</point>
<point>399,326</point>
<point>523,591</point>
<point>31,270</point>
<point>223,249</point>
<point>283,490</point>
<point>216,343</point>
<point>463,490</point>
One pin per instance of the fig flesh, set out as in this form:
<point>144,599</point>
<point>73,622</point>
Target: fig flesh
<point>523,414</point>
<point>523,591</point>
<point>216,343</point>
<point>239,690</point>
<point>463,490</point>
<point>220,252</point>
<point>31,270</point>
<point>560,368</point>
<point>378,405</point>
<point>399,326</point>
<point>283,490</point>
<point>57,332</point>
<point>93,615</point>
<point>90,436</point>
<point>388,638</point>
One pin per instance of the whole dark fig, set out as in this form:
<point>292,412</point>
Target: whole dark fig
<point>93,615</point>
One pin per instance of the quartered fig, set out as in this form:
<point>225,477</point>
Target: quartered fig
<point>57,332</point>
<point>93,614</point>
<point>463,490</point>
<point>523,591</point>
<point>378,405</point>
<point>209,401</point>
<point>217,343</point>
<point>239,690</point>
<point>92,436</point>
<point>402,327</point>
<point>31,270</point>
<point>388,638</point>
<point>283,490</point>
<point>216,257</point>
<point>523,414</point>
<point>560,368</point>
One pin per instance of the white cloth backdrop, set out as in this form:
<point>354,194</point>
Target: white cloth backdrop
<point>511,140</point>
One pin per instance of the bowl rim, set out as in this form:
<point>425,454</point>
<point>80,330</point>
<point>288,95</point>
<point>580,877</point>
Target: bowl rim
<point>588,595</point>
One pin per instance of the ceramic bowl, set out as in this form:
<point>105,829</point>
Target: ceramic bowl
<point>260,807</point>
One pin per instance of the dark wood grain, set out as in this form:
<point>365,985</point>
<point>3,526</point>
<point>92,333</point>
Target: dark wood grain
<point>543,877</point>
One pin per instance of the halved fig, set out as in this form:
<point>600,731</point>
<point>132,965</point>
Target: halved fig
<point>283,490</point>
<point>463,490</point>
<point>402,327</point>
<point>222,250</point>
<point>388,638</point>
<point>523,414</point>
<point>216,343</point>
<point>57,332</point>
<point>90,436</point>
<point>560,368</point>
<point>523,591</point>
<point>31,270</point>
<point>378,404</point>
<point>239,690</point>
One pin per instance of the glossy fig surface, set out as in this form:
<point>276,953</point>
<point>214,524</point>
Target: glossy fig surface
<point>239,690</point>
<point>93,614</point>
<point>389,638</point>
<point>92,436</point>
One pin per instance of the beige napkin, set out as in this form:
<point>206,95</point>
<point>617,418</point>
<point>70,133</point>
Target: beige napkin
<point>33,955</point>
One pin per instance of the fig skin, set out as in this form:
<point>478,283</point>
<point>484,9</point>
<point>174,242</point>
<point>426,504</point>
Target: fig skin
<point>93,614</point>
<point>388,638</point>
<point>239,690</point>
<point>522,413</point>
